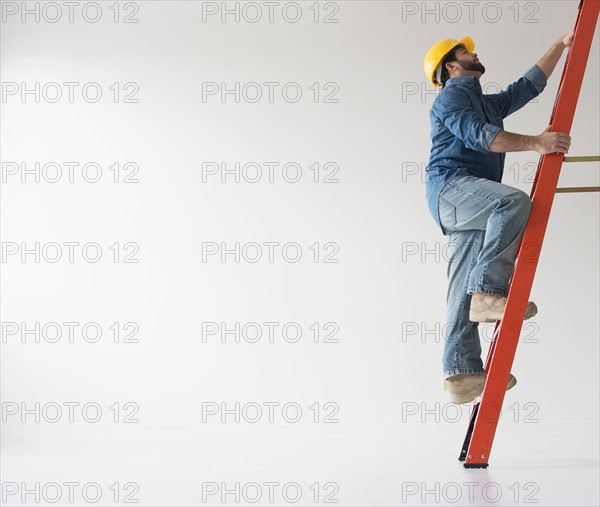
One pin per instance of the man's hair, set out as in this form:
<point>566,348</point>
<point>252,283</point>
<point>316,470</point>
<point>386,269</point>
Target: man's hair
<point>450,57</point>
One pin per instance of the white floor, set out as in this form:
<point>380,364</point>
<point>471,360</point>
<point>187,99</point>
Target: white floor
<point>382,464</point>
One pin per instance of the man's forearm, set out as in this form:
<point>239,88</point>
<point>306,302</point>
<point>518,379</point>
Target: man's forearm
<point>548,62</point>
<point>546,143</point>
<point>507,141</point>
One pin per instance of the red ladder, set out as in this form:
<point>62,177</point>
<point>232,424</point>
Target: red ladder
<point>484,418</point>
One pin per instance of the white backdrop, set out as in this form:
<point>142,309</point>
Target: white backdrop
<point>148,353</point>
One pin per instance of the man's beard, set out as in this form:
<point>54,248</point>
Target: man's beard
<point>472,66</point>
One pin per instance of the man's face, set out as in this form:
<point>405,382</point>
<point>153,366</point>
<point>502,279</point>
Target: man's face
<point>468,61</point>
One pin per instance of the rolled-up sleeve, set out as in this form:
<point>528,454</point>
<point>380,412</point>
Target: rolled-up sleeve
<point>537,78</point>
<point>457,114</point>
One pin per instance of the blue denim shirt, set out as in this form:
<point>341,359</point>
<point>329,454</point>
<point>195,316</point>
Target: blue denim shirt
<point>464,122</point>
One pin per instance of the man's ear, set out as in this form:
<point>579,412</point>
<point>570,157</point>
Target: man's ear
<point>450,66</point>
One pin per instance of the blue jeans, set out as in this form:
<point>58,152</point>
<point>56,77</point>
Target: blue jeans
<point>485,221</point>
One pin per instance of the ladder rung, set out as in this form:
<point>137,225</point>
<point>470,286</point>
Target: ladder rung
<point>571,190</point>
<point>582,159</point>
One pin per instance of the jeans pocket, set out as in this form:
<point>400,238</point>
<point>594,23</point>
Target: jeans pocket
<point>447,216</point>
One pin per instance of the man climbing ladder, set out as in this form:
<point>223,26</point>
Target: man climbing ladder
<point>483,218</point>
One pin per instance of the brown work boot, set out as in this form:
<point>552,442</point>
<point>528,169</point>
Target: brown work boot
<point>465,388</point>
<point>486,308</point>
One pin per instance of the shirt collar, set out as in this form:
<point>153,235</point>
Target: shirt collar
<point>468,81</point>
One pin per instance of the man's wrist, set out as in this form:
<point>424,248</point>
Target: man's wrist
<point>531,143</point>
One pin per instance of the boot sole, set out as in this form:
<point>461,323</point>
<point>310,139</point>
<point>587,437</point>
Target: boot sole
<point>460,399</point>
<point>485,316</point>
<point>490,316</point>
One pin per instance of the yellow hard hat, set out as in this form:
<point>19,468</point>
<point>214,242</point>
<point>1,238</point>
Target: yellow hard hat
<point>437,52</point>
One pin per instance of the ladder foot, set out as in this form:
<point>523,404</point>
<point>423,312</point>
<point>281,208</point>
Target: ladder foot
<point>475,465</point>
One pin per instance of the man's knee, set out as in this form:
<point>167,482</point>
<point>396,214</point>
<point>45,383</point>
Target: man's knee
<point>521,203</point>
